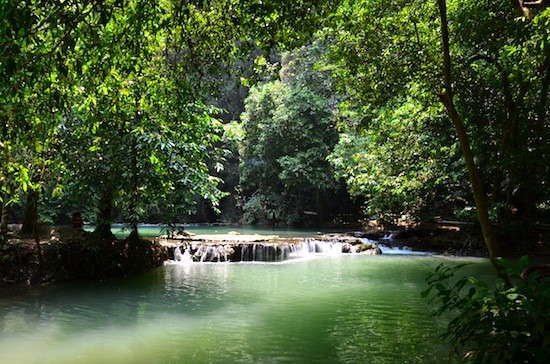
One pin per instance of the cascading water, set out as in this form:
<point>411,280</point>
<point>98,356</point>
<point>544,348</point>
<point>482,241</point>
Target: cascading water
<point>398,250</point>
<point>186,257</point>
<point>313,246</point>
<point>266,251</point>
<point>279,250</point>
<point>180,258</point>
<point>177,254</point>
<point>404,250</point>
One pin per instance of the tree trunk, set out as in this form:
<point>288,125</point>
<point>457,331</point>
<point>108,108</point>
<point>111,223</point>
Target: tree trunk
<point>134,180</point>
<point>31,214</point>
<point>134,188</point>
<point>5,216</point>
<point>476,183</point>
<point>30,227</point>
<point>104,216</point>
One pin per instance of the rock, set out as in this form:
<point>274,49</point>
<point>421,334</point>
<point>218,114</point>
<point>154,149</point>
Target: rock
<point>181,234</point>
<point>347,248</point>
<point>368,248</point>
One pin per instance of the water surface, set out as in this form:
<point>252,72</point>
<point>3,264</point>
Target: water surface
<point>340,309</point>
<point>153,230</point>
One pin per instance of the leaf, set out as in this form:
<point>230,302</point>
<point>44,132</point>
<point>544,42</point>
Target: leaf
<point>57,191</point>
<point>522,263</point>
<point>154,160</point>
<point>512,296</point>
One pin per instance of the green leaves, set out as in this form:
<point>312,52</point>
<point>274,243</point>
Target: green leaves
<point>500,324</point>
<point>110,85</point>
<point>384,54</point>
<point>398,160</point>
<point>289,132</point>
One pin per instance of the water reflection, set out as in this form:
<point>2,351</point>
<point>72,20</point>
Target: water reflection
<point>195,287</point>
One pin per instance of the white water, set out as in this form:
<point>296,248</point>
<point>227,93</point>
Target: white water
<point>279,252</point>
<point>405,250</point>
<point>180,258</point>
<point>395,250</point>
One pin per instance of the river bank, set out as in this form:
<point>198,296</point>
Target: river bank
<point>81,256</point>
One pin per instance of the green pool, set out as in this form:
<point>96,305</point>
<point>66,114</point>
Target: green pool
<point>330,309</point>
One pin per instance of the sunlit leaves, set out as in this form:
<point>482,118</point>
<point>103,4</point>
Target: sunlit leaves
<point>398,161</point>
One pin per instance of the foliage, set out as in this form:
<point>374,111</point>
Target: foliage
<point>152,141</point>
<point>385,53</point>
<point>108,104</point>
<point>502,92</point>
<point>403,163</point>
<point>106,101</point>
<point>494,325</point>
<point>395,151</point>
<point>289,132</point>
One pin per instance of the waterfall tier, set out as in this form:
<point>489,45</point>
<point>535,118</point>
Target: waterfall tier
<point>265,249</point>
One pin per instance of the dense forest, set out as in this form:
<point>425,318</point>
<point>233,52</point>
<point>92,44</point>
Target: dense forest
<point>292,113</point>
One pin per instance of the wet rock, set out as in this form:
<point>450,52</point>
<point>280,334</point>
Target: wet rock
<point>368,249</point>
<point>348,248</point>
<point>374,251</point>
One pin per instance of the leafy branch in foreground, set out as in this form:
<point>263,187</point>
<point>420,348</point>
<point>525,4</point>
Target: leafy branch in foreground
<point>494,325</point>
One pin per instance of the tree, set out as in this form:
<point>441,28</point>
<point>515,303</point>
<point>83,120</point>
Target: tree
<point>146,133</point>
<point>125,82</point>
<point>497,85</point>
<point>401,165</point>
<point>32,42</point>
<point>510,127</point>
<point>289,131</point>
<point>475,180</point>
<point>395,150</point>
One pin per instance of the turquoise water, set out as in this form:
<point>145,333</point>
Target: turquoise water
<point>147,230</point>
<point>340,309</point>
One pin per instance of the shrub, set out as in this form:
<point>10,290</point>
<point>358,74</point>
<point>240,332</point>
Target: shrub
<point>501,324</point>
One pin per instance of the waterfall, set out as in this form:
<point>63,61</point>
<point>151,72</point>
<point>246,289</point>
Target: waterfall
<point>312,246</point>
<point>276,250</point>
<point>177,254</point>
<point>184,258</point>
